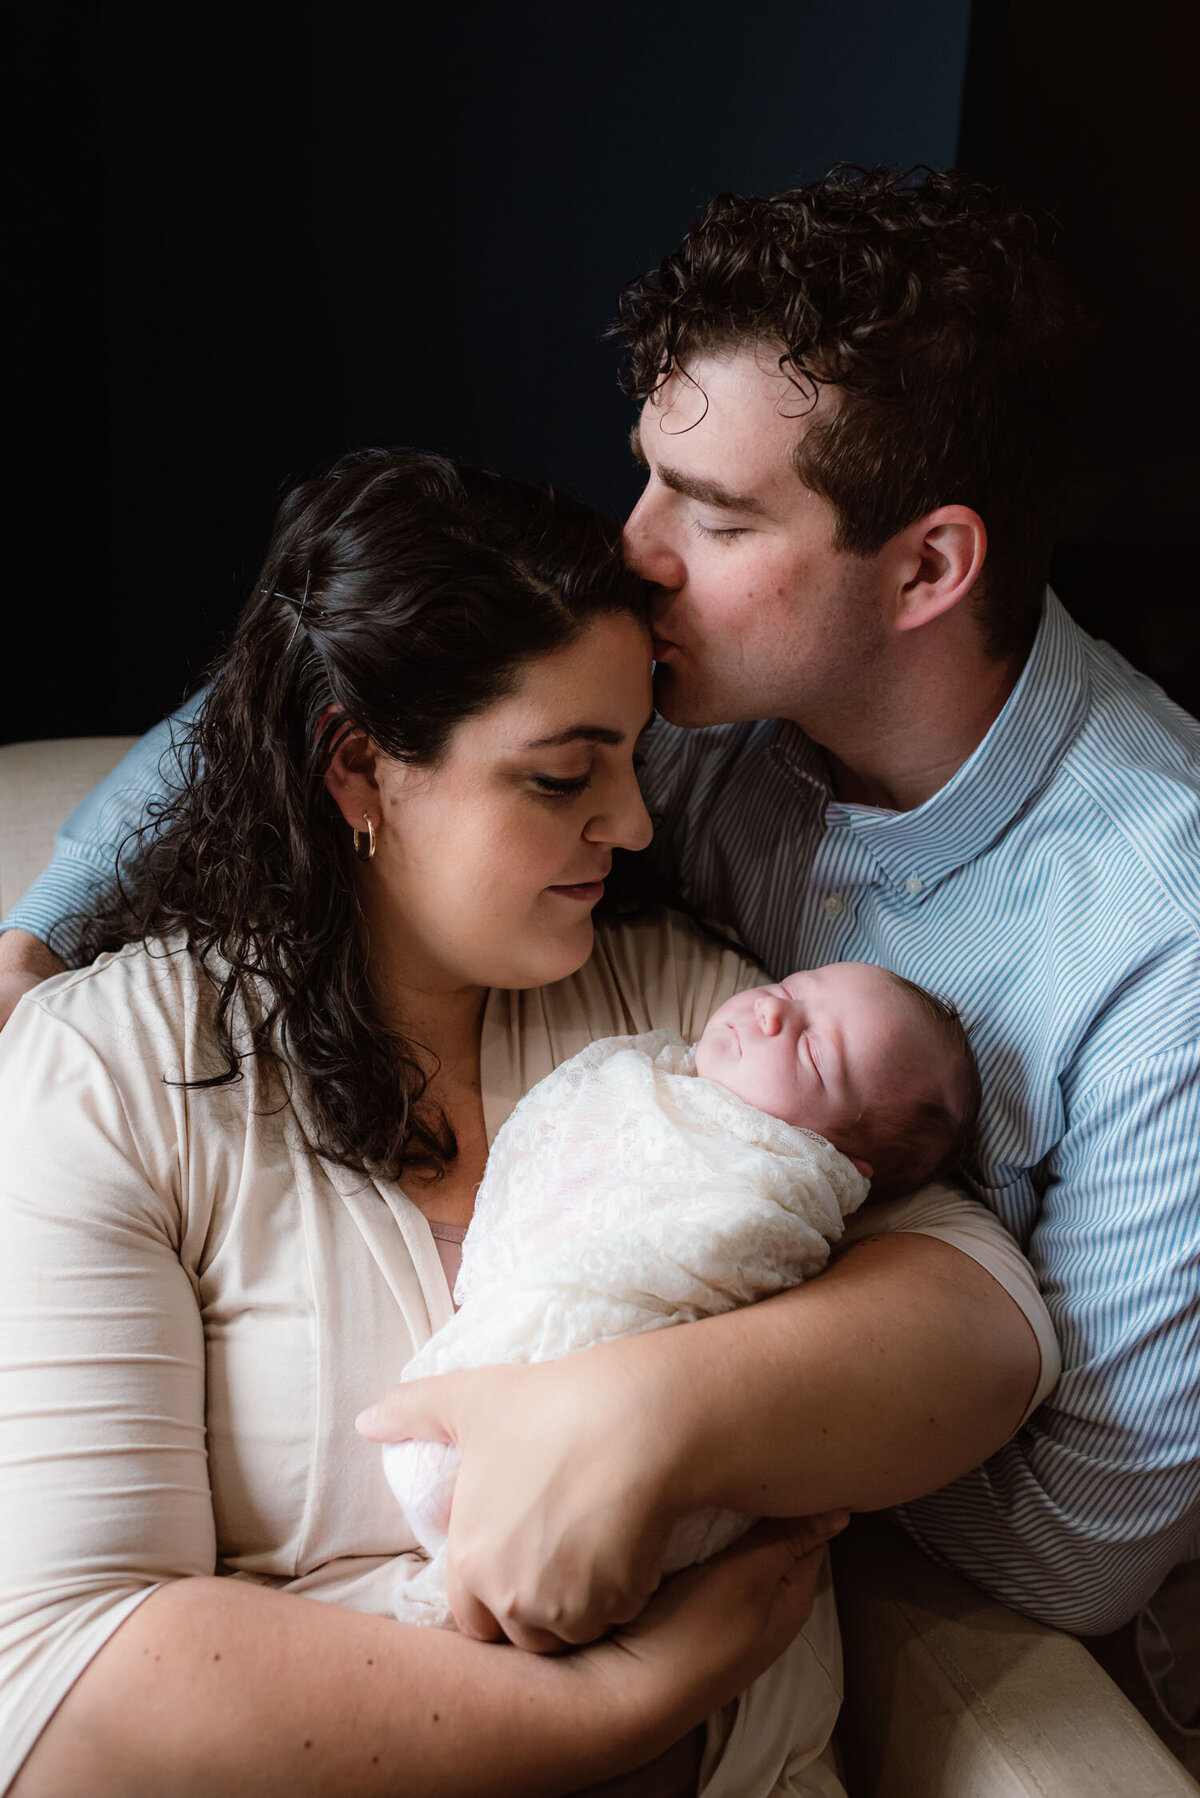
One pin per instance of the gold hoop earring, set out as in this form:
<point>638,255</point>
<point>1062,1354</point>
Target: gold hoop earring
<point>358,836</point>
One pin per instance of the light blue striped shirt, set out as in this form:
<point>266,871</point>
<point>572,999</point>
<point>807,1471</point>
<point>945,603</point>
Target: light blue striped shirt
<point>1052,890</point>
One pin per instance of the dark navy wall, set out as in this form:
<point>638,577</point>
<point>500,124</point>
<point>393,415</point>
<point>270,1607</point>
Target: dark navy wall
<point>544,164</point>
<point>276,234</point>
<point>1090,114</point>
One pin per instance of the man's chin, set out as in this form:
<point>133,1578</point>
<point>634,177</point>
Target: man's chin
<point>686,702</point>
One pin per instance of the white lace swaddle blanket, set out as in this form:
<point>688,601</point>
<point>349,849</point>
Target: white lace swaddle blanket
<point>623,1194</point>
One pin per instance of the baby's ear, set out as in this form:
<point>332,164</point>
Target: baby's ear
<point>864,1167</point>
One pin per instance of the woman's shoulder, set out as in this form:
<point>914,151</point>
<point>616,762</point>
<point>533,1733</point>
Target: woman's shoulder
<point>150,994</point>
<point>108,1054</point>
<point>661,971</point>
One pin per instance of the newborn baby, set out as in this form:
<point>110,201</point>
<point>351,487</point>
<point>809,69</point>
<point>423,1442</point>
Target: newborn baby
<point>646,1183</point>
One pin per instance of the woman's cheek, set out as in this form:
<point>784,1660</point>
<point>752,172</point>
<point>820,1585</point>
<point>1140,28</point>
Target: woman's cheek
<point>547,848</point>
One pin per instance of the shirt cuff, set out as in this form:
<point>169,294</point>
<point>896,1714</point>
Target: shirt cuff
<point>953,1217</point>
<point>57,905</point>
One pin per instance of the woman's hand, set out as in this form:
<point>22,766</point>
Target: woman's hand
<point>565,1496</point>
<point>709,1632</point>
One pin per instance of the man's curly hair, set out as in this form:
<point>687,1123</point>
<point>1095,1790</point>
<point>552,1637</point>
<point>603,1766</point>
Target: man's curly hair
<point>927,301</point>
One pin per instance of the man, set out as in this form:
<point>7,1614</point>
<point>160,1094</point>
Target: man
<point>852,424</point>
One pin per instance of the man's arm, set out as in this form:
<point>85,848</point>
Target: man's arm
<point>25,962</point>
<point>861,1387</point>
<point>895,1371</point>
<point>1083,1514</point>
<point>85,854</point>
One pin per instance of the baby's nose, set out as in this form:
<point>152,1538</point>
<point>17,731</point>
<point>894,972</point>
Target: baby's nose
<point>769,1011</point>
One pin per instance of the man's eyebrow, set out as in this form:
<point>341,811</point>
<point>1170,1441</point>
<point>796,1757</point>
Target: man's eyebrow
<point>709,493</point>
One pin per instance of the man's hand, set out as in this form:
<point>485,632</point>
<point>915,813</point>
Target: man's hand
<point>889,1375</point>
<point>564,1498</point>
<point>25,962</point>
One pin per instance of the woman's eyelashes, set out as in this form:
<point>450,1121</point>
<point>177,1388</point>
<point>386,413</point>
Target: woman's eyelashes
<point>553,786</point>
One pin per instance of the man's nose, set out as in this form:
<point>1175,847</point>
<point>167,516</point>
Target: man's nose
<point>647,550</point>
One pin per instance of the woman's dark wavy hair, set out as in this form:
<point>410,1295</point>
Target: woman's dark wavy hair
<point>402,593</point>
<point>927,301</point>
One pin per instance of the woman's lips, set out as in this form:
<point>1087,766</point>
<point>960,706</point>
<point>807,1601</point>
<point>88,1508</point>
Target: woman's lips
<point>588,891</point>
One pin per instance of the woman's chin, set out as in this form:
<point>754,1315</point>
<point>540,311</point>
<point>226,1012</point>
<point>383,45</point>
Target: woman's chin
<point>555,955</point>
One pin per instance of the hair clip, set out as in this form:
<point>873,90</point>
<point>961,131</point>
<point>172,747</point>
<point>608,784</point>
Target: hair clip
<point>300,613</point>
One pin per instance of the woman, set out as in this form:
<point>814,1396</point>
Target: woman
<point>363,930</point>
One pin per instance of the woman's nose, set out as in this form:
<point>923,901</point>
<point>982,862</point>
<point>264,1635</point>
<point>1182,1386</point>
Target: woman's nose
<point>625,823</point>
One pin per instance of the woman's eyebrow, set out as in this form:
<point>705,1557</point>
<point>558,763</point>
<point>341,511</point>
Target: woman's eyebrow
<point>588,733</point>
<point>578,733</point>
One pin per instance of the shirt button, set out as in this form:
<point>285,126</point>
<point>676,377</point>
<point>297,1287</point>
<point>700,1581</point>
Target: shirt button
<point>834,906</point>
<point>914,884</point>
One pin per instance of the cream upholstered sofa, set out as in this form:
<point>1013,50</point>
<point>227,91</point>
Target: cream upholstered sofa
<point>39,784</point>
<point>948,1694</point>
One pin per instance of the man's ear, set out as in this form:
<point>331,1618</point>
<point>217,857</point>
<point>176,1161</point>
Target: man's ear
<point>350,778</point>
<point>941,557</point>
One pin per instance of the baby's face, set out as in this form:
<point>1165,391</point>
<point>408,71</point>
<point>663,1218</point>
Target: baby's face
<point>825,1048</point>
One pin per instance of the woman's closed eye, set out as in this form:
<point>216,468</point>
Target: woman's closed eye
<point>554,786</point>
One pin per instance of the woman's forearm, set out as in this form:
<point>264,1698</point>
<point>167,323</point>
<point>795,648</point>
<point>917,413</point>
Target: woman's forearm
<point>214,1685</point>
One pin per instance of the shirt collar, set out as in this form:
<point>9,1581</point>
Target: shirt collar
<point>1011,765</point>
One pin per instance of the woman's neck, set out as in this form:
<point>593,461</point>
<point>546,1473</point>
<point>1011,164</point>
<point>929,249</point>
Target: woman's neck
<point>442,1018</point>
<point>443,1023</point>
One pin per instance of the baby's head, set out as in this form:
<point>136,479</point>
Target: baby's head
<point>879,1067</point>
